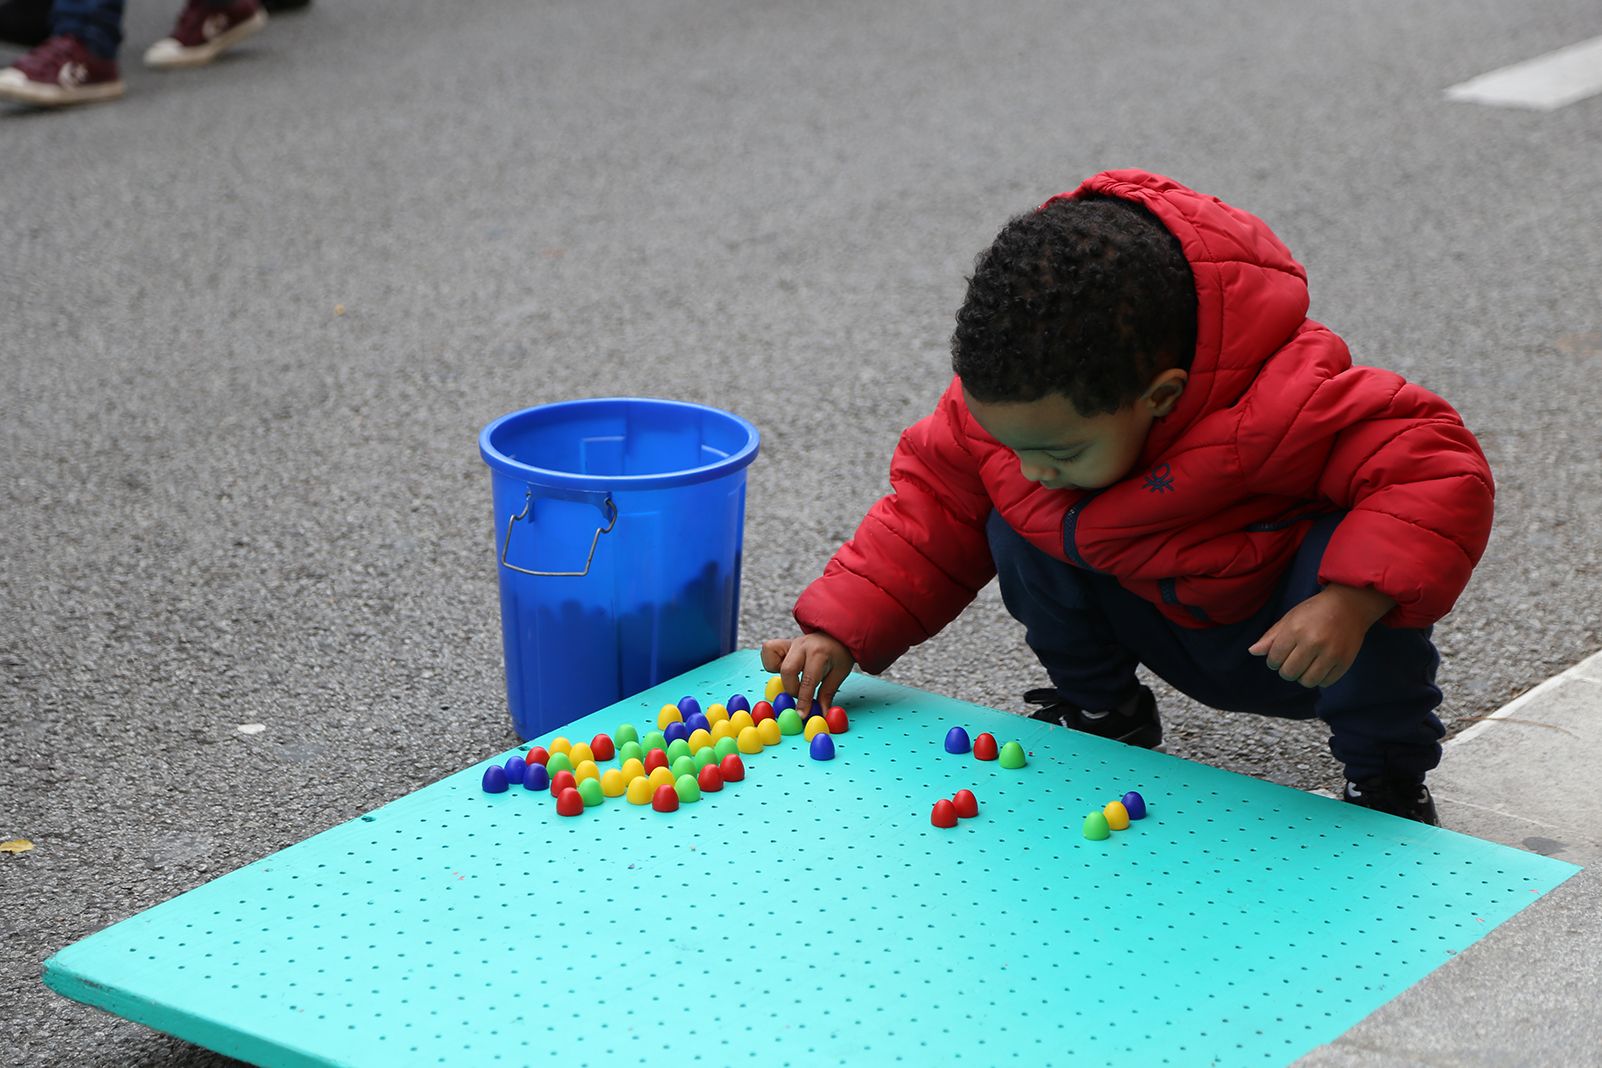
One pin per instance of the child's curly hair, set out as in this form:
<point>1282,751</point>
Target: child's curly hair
<point>1088,297</point>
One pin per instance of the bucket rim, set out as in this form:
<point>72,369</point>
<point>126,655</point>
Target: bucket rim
<point>735,461</point>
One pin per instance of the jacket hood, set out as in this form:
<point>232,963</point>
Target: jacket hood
<point>1251,294</point>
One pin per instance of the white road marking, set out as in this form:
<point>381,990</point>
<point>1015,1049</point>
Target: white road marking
<point>1543,83</point>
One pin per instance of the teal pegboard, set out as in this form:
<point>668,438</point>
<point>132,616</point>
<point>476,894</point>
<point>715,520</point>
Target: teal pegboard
<point>811,914</point>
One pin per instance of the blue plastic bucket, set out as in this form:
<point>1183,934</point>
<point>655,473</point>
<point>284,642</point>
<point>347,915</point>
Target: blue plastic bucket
<point>618,531</point>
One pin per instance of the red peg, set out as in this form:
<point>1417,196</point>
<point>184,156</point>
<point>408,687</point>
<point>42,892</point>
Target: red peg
<point>563,780</point>
<point>711,779</point>
<point>836,719</point>
<point>965,803</point>
<point>656,758</point>
<point>944,814</point>
<point>732,768</point>
<point>569,803</point>
<point>537,755</point>
<point>666,799</point>
<point>984,747</point>
<point>761,711</point>
<point>601,746</point>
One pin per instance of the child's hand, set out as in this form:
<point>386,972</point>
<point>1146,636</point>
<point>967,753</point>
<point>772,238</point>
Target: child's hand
<point>1315,642</point>
<point>812,661</point>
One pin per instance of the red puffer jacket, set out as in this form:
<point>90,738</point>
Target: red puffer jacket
<point>1275,426</point>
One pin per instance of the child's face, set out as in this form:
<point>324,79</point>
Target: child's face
<point>1060,448</point>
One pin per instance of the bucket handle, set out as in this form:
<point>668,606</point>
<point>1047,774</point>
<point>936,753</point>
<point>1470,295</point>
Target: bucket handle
<point>528,503</point>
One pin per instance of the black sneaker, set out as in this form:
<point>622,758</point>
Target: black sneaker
<point>1135,722</point>
<point>1400,797</point>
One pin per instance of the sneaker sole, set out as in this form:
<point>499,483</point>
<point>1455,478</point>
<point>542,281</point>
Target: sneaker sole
<point>168,54</point>
<point>1133,738</point>
<point>44,95</point>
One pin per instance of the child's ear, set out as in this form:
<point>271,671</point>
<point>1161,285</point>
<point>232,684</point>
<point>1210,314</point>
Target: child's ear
<point>1165,390</point>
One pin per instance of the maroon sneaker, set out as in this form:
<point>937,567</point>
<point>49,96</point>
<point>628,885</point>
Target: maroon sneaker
<point>205,31</point>
<point>60,71</point>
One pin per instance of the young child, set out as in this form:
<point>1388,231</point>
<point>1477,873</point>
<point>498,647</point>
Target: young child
<point>1164,461</point>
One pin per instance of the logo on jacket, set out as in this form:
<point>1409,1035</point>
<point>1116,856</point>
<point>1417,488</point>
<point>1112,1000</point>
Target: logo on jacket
<point>1159,481</point>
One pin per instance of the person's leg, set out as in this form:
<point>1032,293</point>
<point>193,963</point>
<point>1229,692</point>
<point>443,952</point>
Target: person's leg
<point>1209,664</point>
<point>76,63</point>
<point>1381,713</point>
<point>97,23</point>
<point>1089,633</point>
<point>1063,622</point>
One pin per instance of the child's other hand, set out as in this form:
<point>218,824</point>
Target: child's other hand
<point>813,661</point>
<point>1314,643</point>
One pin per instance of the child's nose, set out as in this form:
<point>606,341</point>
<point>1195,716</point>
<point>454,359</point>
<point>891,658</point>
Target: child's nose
<point>1035,472</point>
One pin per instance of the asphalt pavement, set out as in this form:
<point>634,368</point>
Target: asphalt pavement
<point>252,317</point>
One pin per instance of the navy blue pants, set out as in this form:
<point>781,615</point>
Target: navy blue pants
<point>1089,633</point>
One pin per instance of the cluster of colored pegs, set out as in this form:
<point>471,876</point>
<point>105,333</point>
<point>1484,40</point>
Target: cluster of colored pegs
<point>961,805</point>
<point>1115,816</point>
<point>984,747</point>
<point>690,753</point>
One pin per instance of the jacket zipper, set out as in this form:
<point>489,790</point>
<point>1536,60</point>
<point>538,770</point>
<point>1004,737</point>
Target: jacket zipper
<point>1070,522</point>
